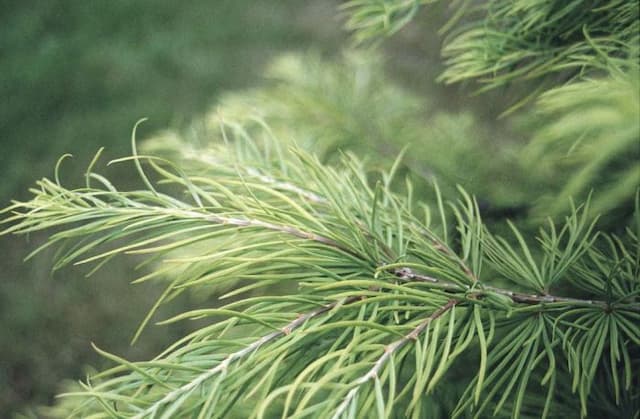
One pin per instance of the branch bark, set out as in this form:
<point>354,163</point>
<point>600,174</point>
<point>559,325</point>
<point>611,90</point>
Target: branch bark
<point>408,274</point>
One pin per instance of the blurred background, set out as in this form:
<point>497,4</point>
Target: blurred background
<point>76,76</point>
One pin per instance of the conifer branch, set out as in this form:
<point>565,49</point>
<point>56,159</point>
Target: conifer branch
<point>250,213</point>
<point>406,273</point>
<point>353,244</point>
<point>389,351</point>
<point>409,275</point>
<point>287,186</point>
<point>517,297</point>
<point>240,222</point>
<point>238,355</point>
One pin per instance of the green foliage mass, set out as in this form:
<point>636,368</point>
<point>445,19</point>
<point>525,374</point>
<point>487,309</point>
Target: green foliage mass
<point>380,302</point>
<point>347,285</point>
<point>349,104</point>
<point>590,135</point>
<point>580,60</point>
<point>497,42</point>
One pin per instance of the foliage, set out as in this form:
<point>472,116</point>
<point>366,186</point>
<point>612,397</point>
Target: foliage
<point>497,42</point>
<point>582,60</point>
<point>377,300</point>
<point>589,134</point>
<point>345,287</point>
<point>350,104</point>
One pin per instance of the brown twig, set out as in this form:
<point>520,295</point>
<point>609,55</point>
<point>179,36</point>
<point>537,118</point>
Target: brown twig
<point>406,273</point>
<point>517,297</point>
